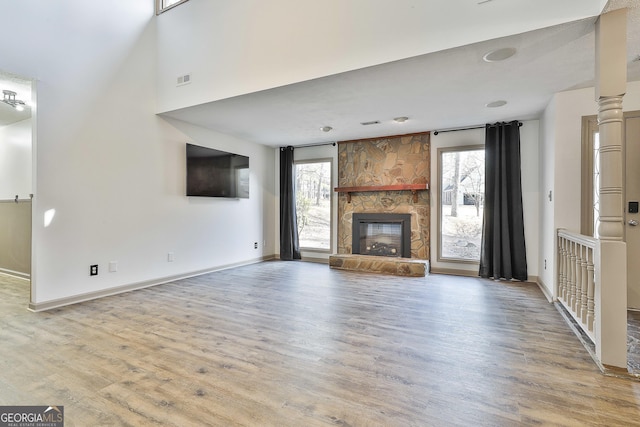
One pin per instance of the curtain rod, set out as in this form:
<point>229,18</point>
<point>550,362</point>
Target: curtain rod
<point>312,145</point>
<point>435,132</point>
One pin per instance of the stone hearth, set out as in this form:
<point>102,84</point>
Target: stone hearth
<point>380,264</point>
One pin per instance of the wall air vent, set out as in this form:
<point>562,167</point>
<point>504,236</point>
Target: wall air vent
<point>183,80</point>
<point>373,122</point>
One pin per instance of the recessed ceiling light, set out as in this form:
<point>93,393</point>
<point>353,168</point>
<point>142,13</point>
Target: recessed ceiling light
<point>401,119</point>
<point>499,54</point>
<point>496,104</point>
<point>326,128</point>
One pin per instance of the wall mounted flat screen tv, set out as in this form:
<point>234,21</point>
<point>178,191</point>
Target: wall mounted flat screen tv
<point>215,173</point>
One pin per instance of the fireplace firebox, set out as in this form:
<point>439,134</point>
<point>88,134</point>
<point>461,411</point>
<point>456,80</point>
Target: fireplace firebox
<point>381,234</point>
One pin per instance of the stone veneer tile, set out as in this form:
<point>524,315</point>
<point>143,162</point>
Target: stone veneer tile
<point>385,161</point>
<point>383,265</point>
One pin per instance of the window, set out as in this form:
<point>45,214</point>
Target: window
<point>313,204</point>
<point>590,176</point>
<point>164,5</point>
<point>461,207</point>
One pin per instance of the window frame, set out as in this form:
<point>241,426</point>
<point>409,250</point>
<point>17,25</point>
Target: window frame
<point>589,128</point>
<point>331,222</point>
<point>161,9</point>
<point>442,151</point>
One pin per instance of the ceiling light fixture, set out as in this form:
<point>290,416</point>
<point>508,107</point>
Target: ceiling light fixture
<point>9,98</point>
<point>326,129</point>
<point>499,54</point>
<point>496,104</point>
<point>401,119</point>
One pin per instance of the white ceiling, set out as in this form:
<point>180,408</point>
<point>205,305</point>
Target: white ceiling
<point>441,90</point>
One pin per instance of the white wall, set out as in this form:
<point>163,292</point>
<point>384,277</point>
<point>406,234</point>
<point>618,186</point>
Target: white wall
<point>561,152</point>
<point>529,147</point>
<point>530,170</point>
<point>15,160</point>
<point>111,169</point>
<point>215,231</point>
<point>631,100</point>
<point>547,187</point>
<point>243,46</point>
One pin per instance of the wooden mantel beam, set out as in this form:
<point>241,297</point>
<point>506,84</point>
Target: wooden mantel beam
<point>414,188</point>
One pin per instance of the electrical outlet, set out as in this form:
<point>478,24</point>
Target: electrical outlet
<point>93,270</point>
<point>255,245</point>
<point>113,266</point>
<point>170,257</point>
<point>545,264</point>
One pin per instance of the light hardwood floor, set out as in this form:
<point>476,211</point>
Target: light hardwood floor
<point>299,344</point>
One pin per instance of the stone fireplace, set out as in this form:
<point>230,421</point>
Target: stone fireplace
<point>372,169</point>
<point>387,161</point>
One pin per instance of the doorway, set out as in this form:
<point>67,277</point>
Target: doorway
<point>16,174</point>
<point>632,199</point>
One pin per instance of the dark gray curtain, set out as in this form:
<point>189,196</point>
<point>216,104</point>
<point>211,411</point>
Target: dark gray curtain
<point>503,253</point>
<point>289,245</point>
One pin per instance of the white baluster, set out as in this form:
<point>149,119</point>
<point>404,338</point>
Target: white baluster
<point>563,258</point>
<point>591,315</point>
<point>572,276</point>
<point>577,301</point>
<point>584,286</point>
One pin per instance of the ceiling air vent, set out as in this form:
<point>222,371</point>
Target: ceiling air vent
<point>373,122</point>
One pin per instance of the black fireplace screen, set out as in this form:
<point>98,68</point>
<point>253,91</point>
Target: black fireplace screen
<point>382,234</point>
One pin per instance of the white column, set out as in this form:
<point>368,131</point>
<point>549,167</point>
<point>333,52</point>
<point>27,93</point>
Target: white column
<point>610,118</point>
<point>611,251</point>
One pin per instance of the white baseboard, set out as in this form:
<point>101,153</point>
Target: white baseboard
<point>317,260</point>
<point>306,259</point>
<point>472,273</point>
<point>544,289</point>
<point>17,274</point>
<point>454,272</point>
<point>57,303</point>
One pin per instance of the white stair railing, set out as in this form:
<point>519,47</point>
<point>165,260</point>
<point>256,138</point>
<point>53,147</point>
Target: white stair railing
<point>576,278</point>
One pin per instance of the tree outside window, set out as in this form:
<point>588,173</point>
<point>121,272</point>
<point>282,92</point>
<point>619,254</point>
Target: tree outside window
<point>461,199</point>
<point>313,204</point>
